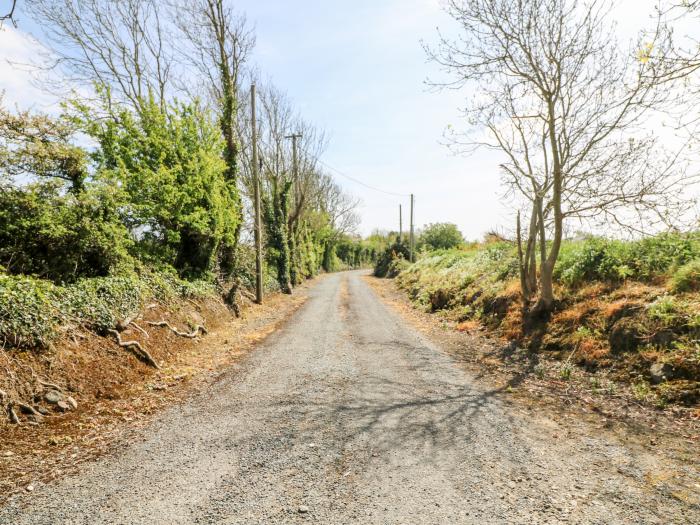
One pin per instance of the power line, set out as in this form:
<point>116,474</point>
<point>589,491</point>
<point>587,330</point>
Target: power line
<point>338,172</point>
<point>360,182</point>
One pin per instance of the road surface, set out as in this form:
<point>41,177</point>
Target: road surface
<point>346,415</point>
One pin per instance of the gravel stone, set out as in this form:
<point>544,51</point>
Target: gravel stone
<point>53,396</point>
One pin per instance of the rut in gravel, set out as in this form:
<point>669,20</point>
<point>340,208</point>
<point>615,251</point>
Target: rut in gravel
<point>346,415</point>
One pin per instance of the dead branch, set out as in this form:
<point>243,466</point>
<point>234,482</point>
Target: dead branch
<point>140,352</point>
<point>11,15</point>
<point>191,335</point>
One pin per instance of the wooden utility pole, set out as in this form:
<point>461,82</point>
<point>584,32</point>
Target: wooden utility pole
<point>411,241</point>
<point>256,198</point>
<point>400,224</point>
<point>295,159</point>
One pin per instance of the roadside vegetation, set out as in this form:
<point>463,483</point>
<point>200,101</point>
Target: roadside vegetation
<point>630,309</point>
<point>564,102</point>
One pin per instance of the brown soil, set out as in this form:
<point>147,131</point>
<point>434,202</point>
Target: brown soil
<point>539,381</point>
<point>116,393</point>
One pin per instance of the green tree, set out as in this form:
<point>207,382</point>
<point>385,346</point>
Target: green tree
<point>181,207</point>
<point>440,236</point>
<point>276,215</point>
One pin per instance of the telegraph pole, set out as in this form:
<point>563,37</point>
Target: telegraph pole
<point>294,137</point>
<point>400,224</point>
<point>295,181</point>
<point>256,198</point>
<point>411,242</point>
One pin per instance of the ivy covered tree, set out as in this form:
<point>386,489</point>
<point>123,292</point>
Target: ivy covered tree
<point>276,215</point>
<point>181,207</point>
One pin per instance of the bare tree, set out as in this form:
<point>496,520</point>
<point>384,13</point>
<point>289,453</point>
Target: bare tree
<point>120,44</point>
<point>306,189</point>
<point>10,15</point>
<point>340,207</point>
<point>567,108</point>
<point>221,42</point>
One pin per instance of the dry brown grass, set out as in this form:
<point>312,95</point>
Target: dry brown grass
<point>591,350</point>
<point>468,326</point>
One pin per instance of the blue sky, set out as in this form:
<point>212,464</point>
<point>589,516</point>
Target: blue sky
<point>357,69</point>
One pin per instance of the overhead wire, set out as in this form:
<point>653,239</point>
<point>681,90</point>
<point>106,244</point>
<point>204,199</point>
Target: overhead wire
<point>353,179</point>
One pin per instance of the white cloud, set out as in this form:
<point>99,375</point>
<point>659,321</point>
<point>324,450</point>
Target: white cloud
<point>18,71</point>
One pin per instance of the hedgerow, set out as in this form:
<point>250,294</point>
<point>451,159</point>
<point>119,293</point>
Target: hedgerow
<point>34,312</point>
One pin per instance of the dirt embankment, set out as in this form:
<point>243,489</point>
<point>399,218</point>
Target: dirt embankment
<point>90,393</point>
<point>543,379</point>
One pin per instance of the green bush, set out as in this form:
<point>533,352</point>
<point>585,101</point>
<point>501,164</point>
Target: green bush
<point>29,316</point>
<point>448,279</point>
<point>599,259</point>
<point>397,266</point>
<point>62,236</point>
<point>168,162</point>
<point>687,277</point>
<point>398,249</point>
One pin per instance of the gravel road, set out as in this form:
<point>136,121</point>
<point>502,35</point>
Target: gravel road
<point>346,415</point>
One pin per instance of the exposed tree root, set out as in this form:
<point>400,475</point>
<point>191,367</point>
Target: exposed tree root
<point>51,386</point>
<point>191,335</point>
<point>28,409</point>
<point>140,329</point>
<point>139,351</point>
<point>123,324</point>
<point>14,418</point>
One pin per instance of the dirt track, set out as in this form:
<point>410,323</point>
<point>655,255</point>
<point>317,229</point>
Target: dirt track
<point>346,415</point>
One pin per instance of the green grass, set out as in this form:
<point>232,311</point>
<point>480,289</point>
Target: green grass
<point>445,279</point>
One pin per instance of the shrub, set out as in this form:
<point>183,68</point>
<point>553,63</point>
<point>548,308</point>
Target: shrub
<point>602,259</point>
<point>61,236</point>
<point>397,266</point>
<point>169,163</point>
<point>460,277</point>
<point>687,277</point>
<point>28,313</point>
<point>398,249</point>
<point>440,236</point>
